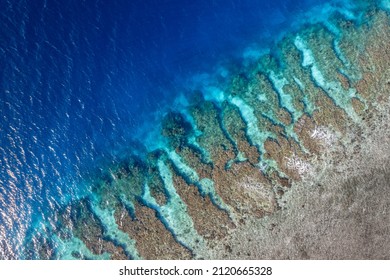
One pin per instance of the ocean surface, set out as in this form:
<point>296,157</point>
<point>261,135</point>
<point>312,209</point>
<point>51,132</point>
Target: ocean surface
<point>83,84</point>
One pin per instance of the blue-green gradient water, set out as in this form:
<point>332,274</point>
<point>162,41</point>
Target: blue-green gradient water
<point>82,80</point>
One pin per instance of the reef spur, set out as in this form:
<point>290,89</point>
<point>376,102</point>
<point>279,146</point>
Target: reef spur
<point>288,158</point>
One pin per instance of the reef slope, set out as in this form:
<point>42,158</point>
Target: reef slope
<point>288,159</point>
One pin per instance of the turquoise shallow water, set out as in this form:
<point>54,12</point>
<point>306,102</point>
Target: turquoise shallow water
<point>85,85</point>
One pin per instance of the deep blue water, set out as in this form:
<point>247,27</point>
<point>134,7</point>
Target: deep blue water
<point>79,78</point>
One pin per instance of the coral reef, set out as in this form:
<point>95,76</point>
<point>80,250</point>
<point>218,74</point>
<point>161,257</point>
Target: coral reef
<point>289,162</point>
